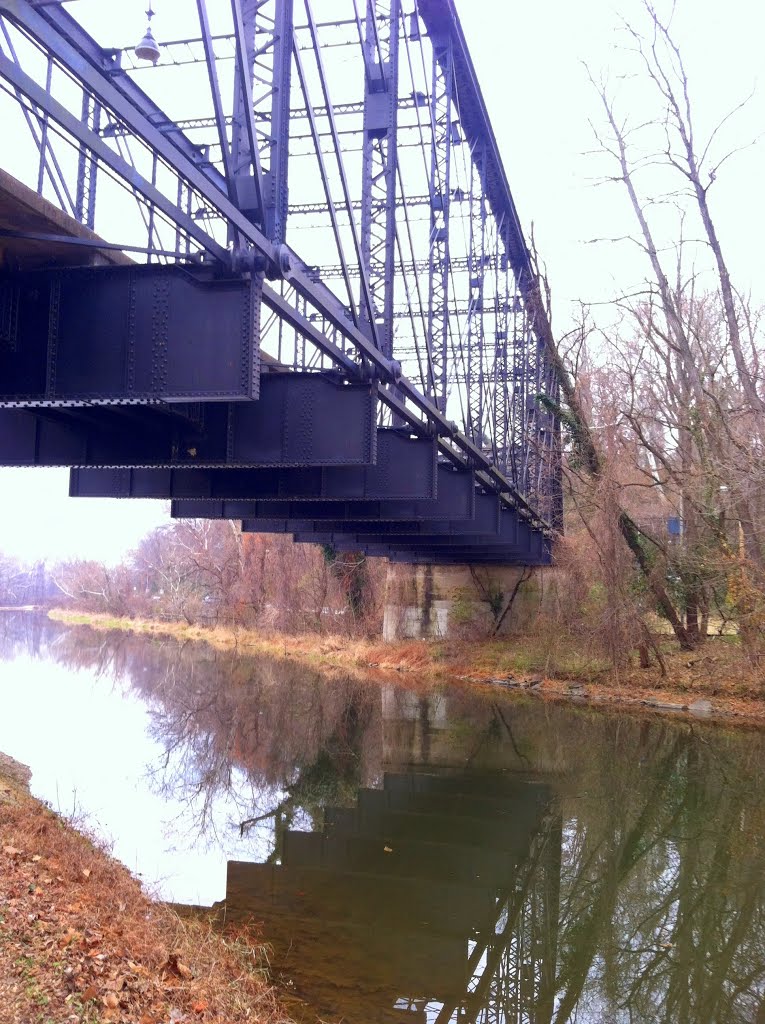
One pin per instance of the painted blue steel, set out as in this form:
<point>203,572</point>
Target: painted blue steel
<point>405,470</point>
<point>227,435</point>
<point>278,430</point>
<point>174,335</point>
<point>455,500</point>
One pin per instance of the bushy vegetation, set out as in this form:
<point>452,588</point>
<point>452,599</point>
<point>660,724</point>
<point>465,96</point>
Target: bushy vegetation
<point>208,571</point>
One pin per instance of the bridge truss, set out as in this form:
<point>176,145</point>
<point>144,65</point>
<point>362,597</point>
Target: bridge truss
<point>321,184</point>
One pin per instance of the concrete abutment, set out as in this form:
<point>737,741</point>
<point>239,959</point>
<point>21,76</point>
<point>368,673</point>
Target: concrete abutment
<point>430,601</point>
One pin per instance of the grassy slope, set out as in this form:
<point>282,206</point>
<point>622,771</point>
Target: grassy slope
<point>81,942</point>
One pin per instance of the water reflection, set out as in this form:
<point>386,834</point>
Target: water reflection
<point>452,855</point>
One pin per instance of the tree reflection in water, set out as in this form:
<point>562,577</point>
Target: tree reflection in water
<point>650,895</point>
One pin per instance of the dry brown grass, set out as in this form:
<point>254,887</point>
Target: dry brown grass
<point>718,670</point>
<point>80,941</point>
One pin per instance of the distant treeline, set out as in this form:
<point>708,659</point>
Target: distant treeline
<point>24,584</point>
<point>205,571</point>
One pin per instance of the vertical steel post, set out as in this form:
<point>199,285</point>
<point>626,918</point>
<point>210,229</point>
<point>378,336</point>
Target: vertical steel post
<point>517,432</point>
<point>501,396</point>
<point>87,166</point>
<point>182,240</point>
<point>276,182</point>
<point>441,98</point>
<point>379,165</point>
<point>476,352</point>
<point>532,351</point>
<point>44,131</point>
<point>267,30</point>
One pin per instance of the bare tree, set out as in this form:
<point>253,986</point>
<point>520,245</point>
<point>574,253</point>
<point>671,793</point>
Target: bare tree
<point>682,374</point>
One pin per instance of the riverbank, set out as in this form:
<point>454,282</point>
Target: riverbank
<point>81,942</point>
<point>716,681</point>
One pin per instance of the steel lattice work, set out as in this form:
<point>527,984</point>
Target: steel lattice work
<point>511,970</point>
<point>344,165</point>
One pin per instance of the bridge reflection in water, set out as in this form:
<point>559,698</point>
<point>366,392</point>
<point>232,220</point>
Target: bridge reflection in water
<point>433,898</point>
<point>544,863</point>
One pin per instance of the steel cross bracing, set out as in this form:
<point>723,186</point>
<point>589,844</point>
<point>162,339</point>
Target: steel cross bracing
<point>511,971</point>
<point>379,162</point>
<point>346,163</point>
<point>441,138</point>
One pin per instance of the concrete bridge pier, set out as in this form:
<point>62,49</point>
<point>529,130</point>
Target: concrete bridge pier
<point>430,601</point>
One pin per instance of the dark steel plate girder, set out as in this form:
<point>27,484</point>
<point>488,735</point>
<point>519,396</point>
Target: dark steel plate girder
<point>455,500</point>
<point>405,470</point>
<point>277,430</point>
<point>134,333</point>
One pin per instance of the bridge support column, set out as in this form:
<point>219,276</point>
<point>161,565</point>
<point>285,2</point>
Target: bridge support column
<point>430,601</point>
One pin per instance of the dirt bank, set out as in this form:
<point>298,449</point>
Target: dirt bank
<point>717,680</point>
<point>81,943</point>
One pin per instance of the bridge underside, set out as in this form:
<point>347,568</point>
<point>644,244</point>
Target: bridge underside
<point>86,386</point>
<point>89,385</point>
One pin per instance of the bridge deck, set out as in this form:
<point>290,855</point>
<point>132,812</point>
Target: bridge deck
<point>26,213</point>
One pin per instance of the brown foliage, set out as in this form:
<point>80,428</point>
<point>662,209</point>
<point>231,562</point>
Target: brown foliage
<point>209,572</point>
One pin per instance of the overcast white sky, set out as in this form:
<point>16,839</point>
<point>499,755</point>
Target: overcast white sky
<point>530,60</point>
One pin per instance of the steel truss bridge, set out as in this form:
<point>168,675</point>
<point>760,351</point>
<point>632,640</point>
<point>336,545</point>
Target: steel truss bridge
<point>279,276</point>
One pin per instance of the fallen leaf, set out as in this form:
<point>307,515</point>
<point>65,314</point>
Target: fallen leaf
<point>176,966</point>
<point>36,858</point>
<point>91,992</point>
<point>70,935</point>
<point>387,849</point>
<point>200,1007</point>
<point>11,851</point>
<point>110,1001</point>
<point>85,873</point>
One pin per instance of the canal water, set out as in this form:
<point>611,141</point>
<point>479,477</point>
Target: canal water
<point>412,854</point>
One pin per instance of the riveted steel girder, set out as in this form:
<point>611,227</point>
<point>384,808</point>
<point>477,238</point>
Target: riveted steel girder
<point>455,500</point>
<point>512,531</point>
<point>405,469</point>
<point>502,527</point>
<point>277,430</point>
<point>537,552</point>
<point>128,334</point>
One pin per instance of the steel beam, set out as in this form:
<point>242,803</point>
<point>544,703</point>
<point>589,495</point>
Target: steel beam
<point>441,100</point>
<point>277,430</point>
<point>379,165</point>
<point>538,552</point>
<point>245,149</point>
<point>455,500</point>
<point>264,28</point>
<point>128,334</point>
<point>477,428</point>
<point>405,470</point>
<point>422,532</point>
